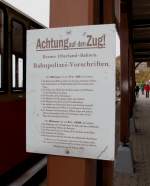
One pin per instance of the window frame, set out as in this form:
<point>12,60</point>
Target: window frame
<point>17,56</point>
<point>4,61</point>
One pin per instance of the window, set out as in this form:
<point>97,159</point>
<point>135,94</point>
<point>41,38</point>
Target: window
<point>17,72</point>
<point>1,49</point>
<point>18,65</point>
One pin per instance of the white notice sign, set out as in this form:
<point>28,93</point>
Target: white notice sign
<point>71,91</point>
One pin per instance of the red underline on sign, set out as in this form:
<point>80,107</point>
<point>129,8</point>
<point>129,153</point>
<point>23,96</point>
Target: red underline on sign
<point>70,48</point>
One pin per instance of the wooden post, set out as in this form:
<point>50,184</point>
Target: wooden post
<point>65,171</point>
<point>105,168</point>
<point>124,150</point>
<point>131,78</point>
<point>133,83</point>
<point>124,37</point>
<point>108,11</point>
<point>71,13</point>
